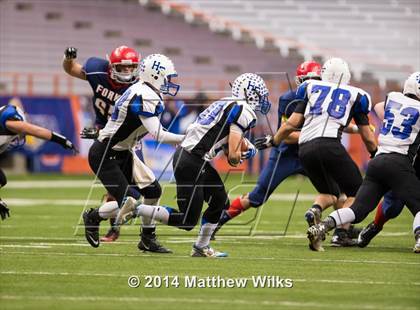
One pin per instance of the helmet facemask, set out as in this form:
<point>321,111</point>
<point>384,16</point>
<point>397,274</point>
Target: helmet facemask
<point>168,87</point>
<point>125,73</point>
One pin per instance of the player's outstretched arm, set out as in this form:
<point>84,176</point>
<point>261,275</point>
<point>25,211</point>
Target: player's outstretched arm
<point>70,65</point>
<point>26,128</point>
<point>291,125</point>
<point>155,128</point>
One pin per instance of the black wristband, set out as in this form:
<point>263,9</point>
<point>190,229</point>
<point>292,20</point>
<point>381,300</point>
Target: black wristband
<point>57,138</point>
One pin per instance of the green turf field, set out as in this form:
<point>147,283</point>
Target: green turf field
<point>45,262</point>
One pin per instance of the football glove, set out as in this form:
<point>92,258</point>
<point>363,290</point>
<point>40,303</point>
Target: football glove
<point>4,210</point>
<point>70,53</point>
<point>251,152</point>
<point>89,133</point>
<point>64,142</point>
<point>214,151</point>
<point>264,142</point>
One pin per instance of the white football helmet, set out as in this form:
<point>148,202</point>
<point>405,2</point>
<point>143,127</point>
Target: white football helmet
<point>158,70</point>
<point>412,85</point>
<point>251,88</point>
<point>335,70</point>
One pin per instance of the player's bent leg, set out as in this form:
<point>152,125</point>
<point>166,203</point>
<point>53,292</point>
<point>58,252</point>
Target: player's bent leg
<point>389,208</point>
<point>148,239</point>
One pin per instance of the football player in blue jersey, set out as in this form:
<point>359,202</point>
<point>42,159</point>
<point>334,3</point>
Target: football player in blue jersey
<point>13,129</point>
<point>109,79</point>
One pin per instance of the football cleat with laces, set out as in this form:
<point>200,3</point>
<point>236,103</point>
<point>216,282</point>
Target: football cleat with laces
<point>316,234</point>
<point>149,243</point>
<point>127,211</point>
<point>367,234</point>
<point>206,251</point>
<point>111,236</point>
<point>92,220</point>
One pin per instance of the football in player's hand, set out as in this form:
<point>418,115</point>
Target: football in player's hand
<point>244,147</point>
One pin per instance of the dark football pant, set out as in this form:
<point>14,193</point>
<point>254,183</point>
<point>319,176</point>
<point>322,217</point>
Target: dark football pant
<point>115,170</point>
<point>329,167</point>
<point>3,179</point>
<point>387,172</point>
<point>196,182</point>
<point>391,206</point>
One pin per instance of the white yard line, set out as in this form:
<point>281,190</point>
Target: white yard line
<point>52,184</point>
<point>27,202</point>
<point>219,301</point>
<point>33,202</point>
<point>172,256</point>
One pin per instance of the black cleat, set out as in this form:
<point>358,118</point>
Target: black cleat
<point>354,232</point>
<point>91,220</point>
<point>149,242</point>
<point>341,238</point>
<point>4,210</point>
<point>367,234</point>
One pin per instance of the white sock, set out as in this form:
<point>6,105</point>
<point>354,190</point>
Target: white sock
<point>416,222</point>
<point>148,222</point>
<point>109,210</point>
<point>204,235</point>
<point>343,216</point>
<point>158,213</point>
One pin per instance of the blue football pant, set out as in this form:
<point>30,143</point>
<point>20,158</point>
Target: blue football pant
<point>278,168</point>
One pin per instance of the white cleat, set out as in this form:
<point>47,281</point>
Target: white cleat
<point>206,251</point>
<point>416,248</point>
<point>316,234</point>
<point>127,211</point>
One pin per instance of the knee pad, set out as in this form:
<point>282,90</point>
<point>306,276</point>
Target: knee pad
<point>153,191</point>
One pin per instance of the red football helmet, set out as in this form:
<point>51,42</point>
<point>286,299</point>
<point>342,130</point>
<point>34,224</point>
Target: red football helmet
<point>124,64</point>
<point>308,70</point>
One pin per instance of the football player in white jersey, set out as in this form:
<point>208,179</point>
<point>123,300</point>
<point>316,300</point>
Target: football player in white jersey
<point>392,167</point>
<point>111,156</point>
<point>13,129</point>
<point>326,107</point>
<point>224,121</point>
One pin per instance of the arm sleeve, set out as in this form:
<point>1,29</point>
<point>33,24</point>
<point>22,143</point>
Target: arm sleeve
<point>155,128</point>
<point>9,113</point>
<point>301,98</point>
<point>300,105</point>
<point>362,108</point>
